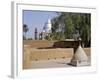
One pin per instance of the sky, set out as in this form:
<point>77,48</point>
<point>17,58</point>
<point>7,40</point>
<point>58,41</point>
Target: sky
<point>36,19</point>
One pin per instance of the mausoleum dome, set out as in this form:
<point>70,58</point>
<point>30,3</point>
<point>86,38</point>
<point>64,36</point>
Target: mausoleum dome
<point>48,26</point>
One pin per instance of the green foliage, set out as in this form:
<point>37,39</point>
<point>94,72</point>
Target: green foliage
<point>65,25</point>
<point>69,27</point>
<point>57,36</point>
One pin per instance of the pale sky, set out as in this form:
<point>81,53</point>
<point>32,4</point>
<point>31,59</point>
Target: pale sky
<point>36,19</point>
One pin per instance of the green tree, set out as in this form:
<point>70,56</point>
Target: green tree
<point>69,27</point>
<point>65,25</point>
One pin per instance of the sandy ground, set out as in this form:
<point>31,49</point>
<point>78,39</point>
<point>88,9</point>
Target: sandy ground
<point>50,63</point>
<point>53,63</point>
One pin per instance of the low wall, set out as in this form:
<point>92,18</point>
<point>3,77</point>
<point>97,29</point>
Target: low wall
<point>46,54</point>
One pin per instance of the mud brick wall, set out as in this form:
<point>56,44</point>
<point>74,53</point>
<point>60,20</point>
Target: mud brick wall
<point>46,54</point>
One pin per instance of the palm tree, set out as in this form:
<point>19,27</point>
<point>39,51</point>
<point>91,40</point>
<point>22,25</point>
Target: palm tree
<point>25,29</point>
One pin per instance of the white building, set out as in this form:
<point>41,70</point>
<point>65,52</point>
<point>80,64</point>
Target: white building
<point>46,29</point>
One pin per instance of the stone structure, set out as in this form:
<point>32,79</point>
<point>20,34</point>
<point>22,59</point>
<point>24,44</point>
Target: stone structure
<point>79,58</point>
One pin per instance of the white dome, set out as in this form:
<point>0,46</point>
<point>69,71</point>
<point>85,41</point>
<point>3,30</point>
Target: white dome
<point>43,31</point>
<point>49,21</point>
<point>48,26</point>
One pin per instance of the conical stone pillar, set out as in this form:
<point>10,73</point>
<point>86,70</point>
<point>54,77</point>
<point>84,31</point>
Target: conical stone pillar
<point>80,57</point>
